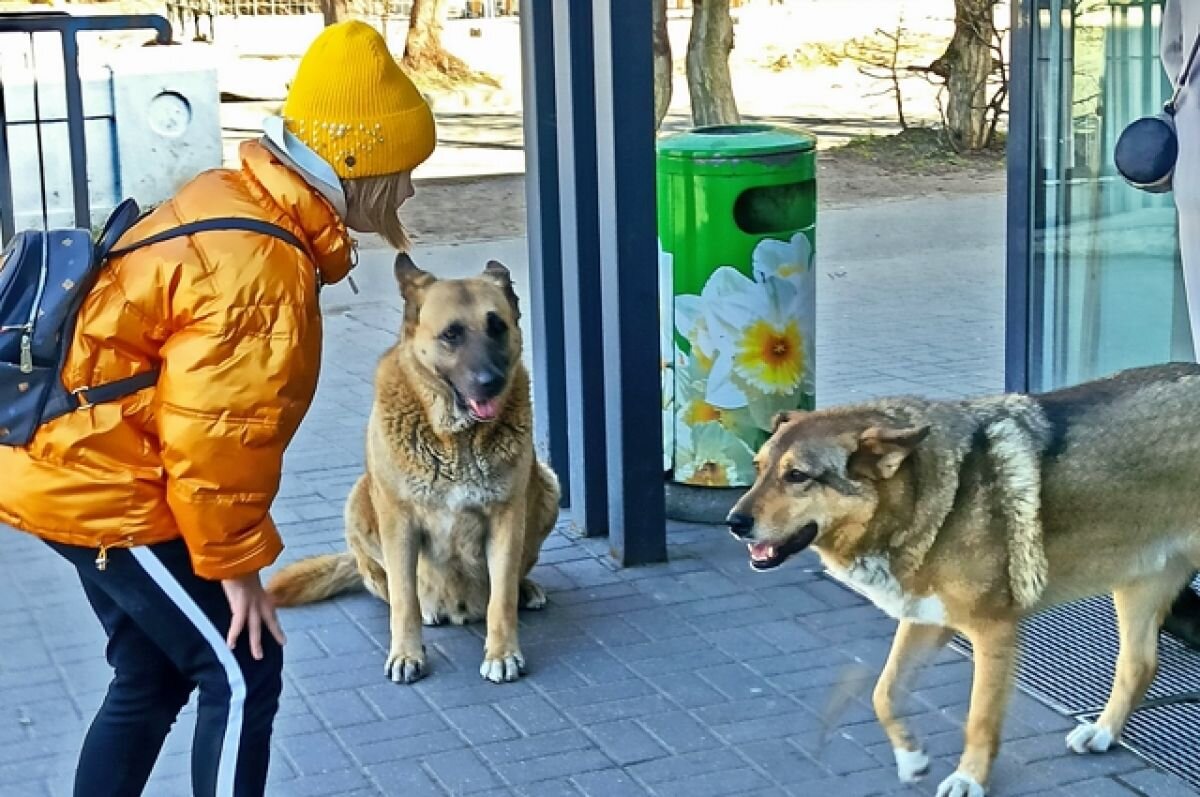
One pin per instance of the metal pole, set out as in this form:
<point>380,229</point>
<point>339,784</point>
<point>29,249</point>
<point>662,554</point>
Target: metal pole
<point>629,261</point>
<point>545,254</point>
<point>7,211</point>
<point>1021,170</point>
<point>75,134</point>
<point>37,130</point>
<point>67,27</point>
<point>575,92</point>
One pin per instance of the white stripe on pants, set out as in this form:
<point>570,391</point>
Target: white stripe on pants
<point>227,767</point>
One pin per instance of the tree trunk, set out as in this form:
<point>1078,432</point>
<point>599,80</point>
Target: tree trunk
<point>709,81</point>
<point>663,66</point>
<point>967,65</point>
<point>423,50</point>
<point>335,10</point>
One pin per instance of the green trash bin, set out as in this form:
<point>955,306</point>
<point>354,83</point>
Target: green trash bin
<point>736,228</point>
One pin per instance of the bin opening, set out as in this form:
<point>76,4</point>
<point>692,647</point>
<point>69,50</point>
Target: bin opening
<point>776,208</point>
<point>732,130</point>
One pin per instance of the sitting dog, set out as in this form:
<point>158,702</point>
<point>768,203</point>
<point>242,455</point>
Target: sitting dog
<point>454,506</point>
<point>966,516</point>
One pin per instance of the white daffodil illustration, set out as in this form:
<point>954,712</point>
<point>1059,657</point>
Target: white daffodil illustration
<point>691,388</point>
<point>746,353</point>
<point>711,456</point>
<point>761,348</point>
<point>693,314</point>
<point>783,259</point>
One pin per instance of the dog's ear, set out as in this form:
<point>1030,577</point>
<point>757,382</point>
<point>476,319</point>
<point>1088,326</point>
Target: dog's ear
<point>781,418</point>
<point>881,450</point>
<point>413,284</point>
<point>497,273</point>
<point>411,278</point>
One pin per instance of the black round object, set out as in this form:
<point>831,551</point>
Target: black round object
<point>1146,150</point>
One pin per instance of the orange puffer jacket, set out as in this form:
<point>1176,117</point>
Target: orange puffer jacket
<point>232,320</point>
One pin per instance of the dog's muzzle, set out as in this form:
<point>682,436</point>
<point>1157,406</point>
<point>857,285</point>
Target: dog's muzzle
<point>767,555</point>
<point>740,524</point>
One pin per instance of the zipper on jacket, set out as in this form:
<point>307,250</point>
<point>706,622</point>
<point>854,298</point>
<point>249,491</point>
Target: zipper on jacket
<point>105,547</point>
<point>353,265</point>
<point>27,350</point>
<point>27,335</point>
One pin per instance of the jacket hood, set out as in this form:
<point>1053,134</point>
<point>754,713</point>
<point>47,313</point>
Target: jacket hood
<point>271,181</point>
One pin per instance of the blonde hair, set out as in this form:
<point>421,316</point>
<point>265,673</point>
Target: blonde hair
<point>372,205</point>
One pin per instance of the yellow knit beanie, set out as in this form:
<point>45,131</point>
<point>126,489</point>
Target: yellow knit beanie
<point>353,106</point>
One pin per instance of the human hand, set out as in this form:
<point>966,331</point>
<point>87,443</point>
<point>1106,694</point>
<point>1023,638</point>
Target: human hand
<point>252,608</point>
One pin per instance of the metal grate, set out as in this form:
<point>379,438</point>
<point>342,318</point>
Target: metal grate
<point>1068,656</point>
<point>1067,660</point>
<point>1168,737</point>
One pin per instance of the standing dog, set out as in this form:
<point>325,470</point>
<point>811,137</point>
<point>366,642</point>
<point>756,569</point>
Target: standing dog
<point>454,506</point>
<point>969,515</point>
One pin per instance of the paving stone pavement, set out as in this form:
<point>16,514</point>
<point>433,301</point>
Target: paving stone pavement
<point>695,677</point>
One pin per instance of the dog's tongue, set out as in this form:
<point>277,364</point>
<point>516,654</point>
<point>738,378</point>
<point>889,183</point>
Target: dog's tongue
<point>483,410</point>
<point>761,551</point>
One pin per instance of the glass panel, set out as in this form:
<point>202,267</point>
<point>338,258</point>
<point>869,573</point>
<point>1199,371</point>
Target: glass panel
<point>1106,284</point>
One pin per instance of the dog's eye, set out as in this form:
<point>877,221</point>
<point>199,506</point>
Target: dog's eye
<point>797,476</point>
<point>496,326</point>
<point>452,334</point>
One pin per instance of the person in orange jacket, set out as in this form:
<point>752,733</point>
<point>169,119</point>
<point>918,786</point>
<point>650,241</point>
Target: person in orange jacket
<point>161,500</point>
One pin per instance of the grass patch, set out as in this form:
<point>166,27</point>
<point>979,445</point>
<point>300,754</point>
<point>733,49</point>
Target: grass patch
<point>919,150</point>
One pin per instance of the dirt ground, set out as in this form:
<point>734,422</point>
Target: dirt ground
<point>484,208</point>
<point>788,66</point>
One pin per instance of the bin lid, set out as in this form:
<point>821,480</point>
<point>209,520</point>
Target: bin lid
<point>718,141</point>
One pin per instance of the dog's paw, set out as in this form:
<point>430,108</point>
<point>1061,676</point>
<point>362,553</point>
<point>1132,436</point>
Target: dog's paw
<point>532,594</point>
<point>500,669</point>
<point>960,784</point>
<point>1088,737</point>
<point>406,668</point>
<point>911,765</point>
<point>431,618</point>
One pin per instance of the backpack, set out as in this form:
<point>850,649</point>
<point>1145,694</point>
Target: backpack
<point>44,277</point>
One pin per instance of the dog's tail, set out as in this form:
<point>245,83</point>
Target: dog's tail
<point>313,579</point>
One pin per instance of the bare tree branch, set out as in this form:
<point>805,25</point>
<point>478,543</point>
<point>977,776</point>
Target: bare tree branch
<point>878,57</point>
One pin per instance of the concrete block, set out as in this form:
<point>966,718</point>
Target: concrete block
<point>168,126</point>
<point>151,122</point>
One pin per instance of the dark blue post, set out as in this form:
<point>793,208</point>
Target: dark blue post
<point>581,285</point>
<point>629,289</point>
<point>545,256</point>
<point>1021,143</point>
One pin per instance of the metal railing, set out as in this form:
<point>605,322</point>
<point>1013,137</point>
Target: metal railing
<point>190,13</point>
<point>183,12</point>
<point>68,28</point>
<point>264,8</point>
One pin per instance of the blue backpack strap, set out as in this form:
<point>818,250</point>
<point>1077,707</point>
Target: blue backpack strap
<point>124,216</point>
<point>212,225</point>
<point>118,388</point>
<point>62,402</point>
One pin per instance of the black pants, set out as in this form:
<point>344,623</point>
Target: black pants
<point>1187,602</point>
<point>166,636</point>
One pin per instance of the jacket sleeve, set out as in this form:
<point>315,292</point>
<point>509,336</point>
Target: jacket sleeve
<point>1171,40</point>
<point>237,376</point>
